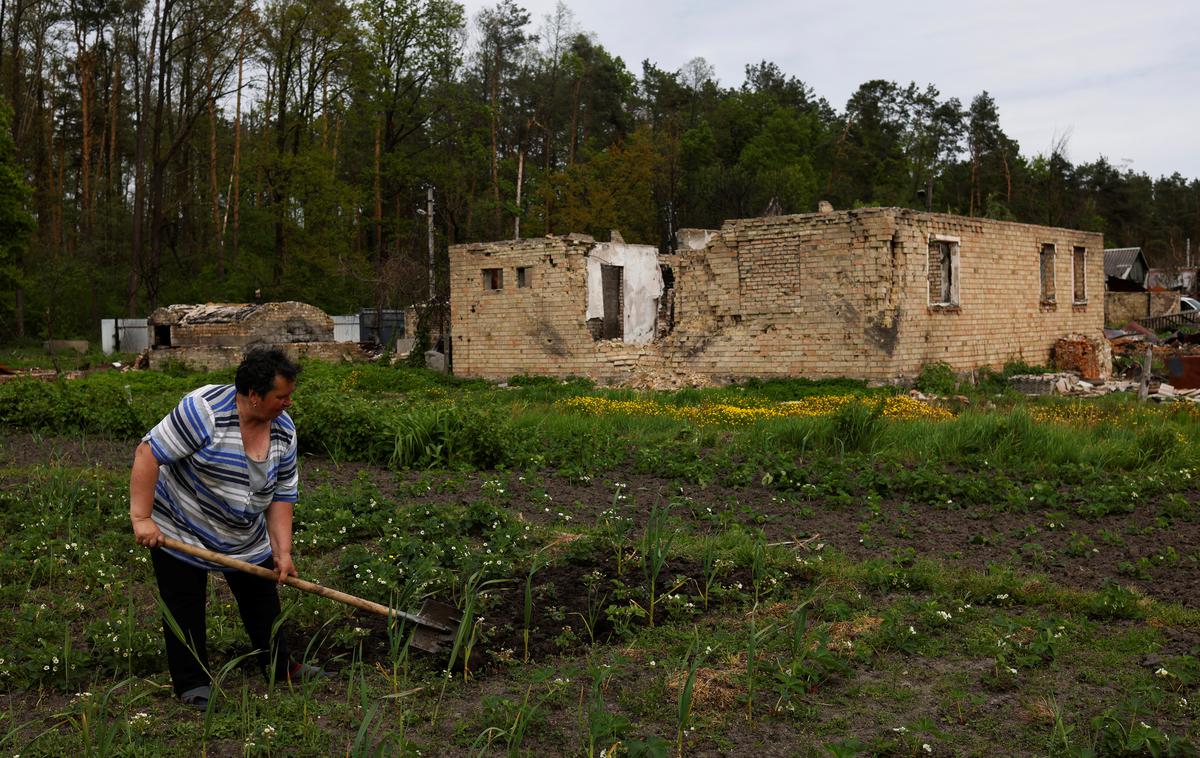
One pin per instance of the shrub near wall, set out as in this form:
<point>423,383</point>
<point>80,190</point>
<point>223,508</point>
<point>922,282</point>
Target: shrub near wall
<point>114,405</point>
<point>403,435</point>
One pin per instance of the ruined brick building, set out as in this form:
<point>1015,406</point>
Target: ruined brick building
<point>873,293</point>
<point>216,335</point>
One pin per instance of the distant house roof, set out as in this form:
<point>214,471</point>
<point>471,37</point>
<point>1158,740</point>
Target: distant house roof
<point>208,313</point>
<point>1121,262</point>
<point>1125,263</point>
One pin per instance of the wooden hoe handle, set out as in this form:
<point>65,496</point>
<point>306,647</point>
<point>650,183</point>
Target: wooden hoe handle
<point>265,573</point>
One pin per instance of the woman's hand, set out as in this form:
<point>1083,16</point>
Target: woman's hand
<point>284,566</point>
<point>146,532</point>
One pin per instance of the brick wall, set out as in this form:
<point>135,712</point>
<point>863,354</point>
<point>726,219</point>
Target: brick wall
<point>1122,307</point>
<point>239,325</point>
<point>215,358</point>
<point>817,295</point>
<point>216,335</point>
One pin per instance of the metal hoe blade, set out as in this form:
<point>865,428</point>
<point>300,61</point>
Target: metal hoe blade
<point>435,626</point>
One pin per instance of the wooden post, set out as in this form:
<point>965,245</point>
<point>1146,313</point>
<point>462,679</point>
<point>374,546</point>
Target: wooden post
<point>1144,390</point>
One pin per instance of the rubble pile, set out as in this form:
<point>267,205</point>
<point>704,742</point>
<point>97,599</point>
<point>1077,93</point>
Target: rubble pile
<point>1090,358</point>
<point>648,379</point>
<point>1176,355</point>
<point>1067,383</point>
<point>1088,367</point>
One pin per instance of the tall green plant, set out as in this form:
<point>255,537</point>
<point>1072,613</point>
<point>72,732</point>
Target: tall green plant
<point>683,714</point>
<point>656,546</point>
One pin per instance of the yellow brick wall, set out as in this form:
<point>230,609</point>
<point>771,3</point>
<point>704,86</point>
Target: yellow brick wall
<point>1122,307</point>
<point>817,295</point>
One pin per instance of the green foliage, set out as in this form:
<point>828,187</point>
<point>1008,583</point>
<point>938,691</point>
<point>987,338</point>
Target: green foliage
<point>777,618</point>
<point>116,405</point>
<point>1123,731</point>
<point>937,379</point>
<point>325,199</point>
<point>855,427</point>
<point>16,222</point>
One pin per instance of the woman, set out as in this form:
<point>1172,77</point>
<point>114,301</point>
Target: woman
<point>220,472</point>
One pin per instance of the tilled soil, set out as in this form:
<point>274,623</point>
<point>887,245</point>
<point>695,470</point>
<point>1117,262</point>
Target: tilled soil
<point>1159,561</point>
<point>1070,550</point>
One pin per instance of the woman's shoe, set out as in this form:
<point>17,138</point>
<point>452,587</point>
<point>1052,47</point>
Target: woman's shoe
<point>197,697</point>
<point>303,672</point>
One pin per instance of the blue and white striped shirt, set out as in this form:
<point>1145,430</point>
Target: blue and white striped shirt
<point>204,495</point>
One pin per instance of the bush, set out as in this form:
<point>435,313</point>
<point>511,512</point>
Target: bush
<point>856,426</point>
<point>937,379</point>
<point>114,405</point>
<point>450,436</point>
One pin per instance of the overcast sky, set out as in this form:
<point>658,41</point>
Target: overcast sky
<point>1121,79</point>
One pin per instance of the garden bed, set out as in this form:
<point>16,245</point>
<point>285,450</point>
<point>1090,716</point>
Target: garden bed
<point>1019,581</point>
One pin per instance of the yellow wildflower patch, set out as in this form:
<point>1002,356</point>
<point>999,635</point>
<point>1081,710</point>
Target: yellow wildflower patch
<point>1083,413</point>
<point>897,407</point>
<point>1074,413</point>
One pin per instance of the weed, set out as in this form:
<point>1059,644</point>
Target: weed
<point>656,546</point>
<point>605,729</point>
<point>691,662</point>
<point>527,606</point>
<point>508,721</point>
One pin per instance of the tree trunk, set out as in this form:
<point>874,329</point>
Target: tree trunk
<point>278,191</point>
<point>573,140</point>
<point>325,112</point>
<point>337,138</point>
<point>974,184</point>
<point>520,179</point>
<point>15,100</point>
<point>378,195</point>
<point>236,194</point>
<point>157,166</point>
<point>85,66</point>
<point>139,170</point>
<point>214,192</point>
<point>112,176</point>
<point>470,207</point>
<point>1007,178</point>
<point>496,232</point>
<point>14,93</point>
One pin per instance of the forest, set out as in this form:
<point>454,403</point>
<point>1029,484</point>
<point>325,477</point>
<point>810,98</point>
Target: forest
<point>160,151</point>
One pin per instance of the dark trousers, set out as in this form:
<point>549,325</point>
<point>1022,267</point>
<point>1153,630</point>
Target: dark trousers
<point>184,590</point>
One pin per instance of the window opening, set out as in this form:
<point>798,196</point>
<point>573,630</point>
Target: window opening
<point>611,280</point>
<point>162,335</point>
<point>522,276</point>
<point>1079,274</point>
<point>943,272</point>
<point>665,318</point>
<point>1047,273</point>
<point>493,278</point>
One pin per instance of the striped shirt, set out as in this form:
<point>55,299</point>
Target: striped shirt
<point>204,495</point>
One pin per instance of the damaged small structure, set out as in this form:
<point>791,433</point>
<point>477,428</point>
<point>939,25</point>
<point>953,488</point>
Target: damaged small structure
<point>1129,295</point>
<point>216,335</point>
<point>873,293</point>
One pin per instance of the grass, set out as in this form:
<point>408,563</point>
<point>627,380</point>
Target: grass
<point>846,583</point>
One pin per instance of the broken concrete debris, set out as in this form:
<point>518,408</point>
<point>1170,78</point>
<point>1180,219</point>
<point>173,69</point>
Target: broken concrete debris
<point>1177,353</point>
<point>1090,358</point>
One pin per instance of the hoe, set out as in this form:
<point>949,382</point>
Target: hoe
<point>434,626</point>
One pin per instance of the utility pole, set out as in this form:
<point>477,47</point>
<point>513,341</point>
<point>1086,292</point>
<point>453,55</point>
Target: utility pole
<point>429,222</point>
<point>520,181</point>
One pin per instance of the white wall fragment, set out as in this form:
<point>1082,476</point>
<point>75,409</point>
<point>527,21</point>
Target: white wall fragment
<point>642,286</point>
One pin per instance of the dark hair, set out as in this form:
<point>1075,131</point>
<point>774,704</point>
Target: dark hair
<point>259,368</point>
